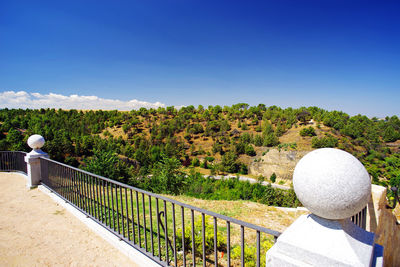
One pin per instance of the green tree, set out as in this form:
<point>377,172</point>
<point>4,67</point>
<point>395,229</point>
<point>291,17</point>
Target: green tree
<point>304,116</point>
<point>258,140</point>
<point>107,164</point>
<point>273,177</point>
<point>328,141</point>
<point>270,140</point>
<point>15,140</point>
<point>229,163</point>
<point>167,177</point>
<point>250,150</point>
<point>390,134</point>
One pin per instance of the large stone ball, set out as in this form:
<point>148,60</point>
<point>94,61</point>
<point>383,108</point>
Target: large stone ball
<point>35,141</point>
<point>332,183</point>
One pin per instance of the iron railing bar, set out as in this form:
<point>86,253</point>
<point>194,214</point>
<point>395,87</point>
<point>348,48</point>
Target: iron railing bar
<point>57,180</point>
<point>71,185</point>
<point>112,206</point>
<point>133,219</point>
<point>228,243</point>
<point>193,240</point>
<point>103,203</point>
<point>127,214</point>
<point>2,161</point>
<point>83,186</point>
<point>93,180</point>
<point>258,249</point>
<point>98,194</point>
<point>108,203</point>
<point>7,161</point>
<point>13,161</point>
<point>74,186</point>
<point>78,192</point>
<point>174,233</point>
<point>62,181</point>
<point>138,219</point>
<point>183,235</point>
<point>144,222</point>
<point>151,227</point>
<point>88,193</point>
<point>203,232</point>
<point>166,233</point>
<point>60,177</point>
<point>89,180</point>
<point>116,203</point>
<point>65,184</point>
<point>242,245</point>
<point>215,242</point>
<point>158,229</point>
<point>122,211</point>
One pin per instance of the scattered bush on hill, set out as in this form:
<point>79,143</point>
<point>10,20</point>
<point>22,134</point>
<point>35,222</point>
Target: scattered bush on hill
<point>308,131</point>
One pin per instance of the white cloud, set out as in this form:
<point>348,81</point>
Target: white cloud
<point>22,99</point>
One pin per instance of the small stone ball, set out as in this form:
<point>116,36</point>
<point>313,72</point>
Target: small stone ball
<point>332,183</point>
<point>35,141</point>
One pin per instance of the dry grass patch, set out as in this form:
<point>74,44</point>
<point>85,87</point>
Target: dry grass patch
<point>251,212</point>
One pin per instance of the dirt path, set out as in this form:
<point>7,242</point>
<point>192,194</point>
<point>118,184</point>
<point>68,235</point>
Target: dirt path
<point>35,231</point>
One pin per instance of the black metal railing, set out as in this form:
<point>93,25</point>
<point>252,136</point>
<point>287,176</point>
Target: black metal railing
<point>12,161</point>
<point>168,231</point>
<point>360,218</point>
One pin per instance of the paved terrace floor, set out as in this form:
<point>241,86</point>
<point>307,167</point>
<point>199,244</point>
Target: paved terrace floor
<point>35,231</point>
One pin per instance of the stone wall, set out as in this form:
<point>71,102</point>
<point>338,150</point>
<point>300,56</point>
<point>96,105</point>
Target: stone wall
<point>383,222</point>
<point>282,163</point>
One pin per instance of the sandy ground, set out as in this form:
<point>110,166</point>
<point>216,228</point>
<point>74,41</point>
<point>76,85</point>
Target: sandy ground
<point>35,231</point>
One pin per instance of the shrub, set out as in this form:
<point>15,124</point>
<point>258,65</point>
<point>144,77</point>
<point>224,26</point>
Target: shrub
<point>308,131</point>
<point>328,141</point>
<point>210,159</point>
<point>273,177</point>
<point>243,169</point>
<point>258,140</point>
<point>198,238</point>
<point>250,253</point>
<point>195,162</point>
<point>250,150</point>
<point>271,140</point>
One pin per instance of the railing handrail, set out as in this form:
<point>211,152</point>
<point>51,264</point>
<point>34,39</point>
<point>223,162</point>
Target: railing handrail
<point>210,213</point>
<point>13,151</point>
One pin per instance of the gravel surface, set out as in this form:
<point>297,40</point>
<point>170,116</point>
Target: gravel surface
<point>35,231</point>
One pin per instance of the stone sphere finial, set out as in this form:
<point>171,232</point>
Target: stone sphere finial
<point>332,183</point>
<point>35,141</point>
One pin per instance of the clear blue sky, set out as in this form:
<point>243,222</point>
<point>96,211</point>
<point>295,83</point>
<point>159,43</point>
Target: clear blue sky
<point>342,55</point>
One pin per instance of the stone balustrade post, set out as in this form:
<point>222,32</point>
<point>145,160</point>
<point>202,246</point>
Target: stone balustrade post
<point>334,186</point>
<point>32,160</point>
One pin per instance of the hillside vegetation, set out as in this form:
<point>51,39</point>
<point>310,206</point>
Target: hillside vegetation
<point>129,146</point>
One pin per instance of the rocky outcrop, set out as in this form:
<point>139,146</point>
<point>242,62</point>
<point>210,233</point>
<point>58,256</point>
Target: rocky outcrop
<point>281,163</point>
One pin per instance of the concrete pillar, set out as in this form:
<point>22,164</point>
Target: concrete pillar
<point>334,186</point>
<point>32,160</point>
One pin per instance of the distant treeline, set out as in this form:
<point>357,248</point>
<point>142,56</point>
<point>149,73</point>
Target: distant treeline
<point>148,135</point>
